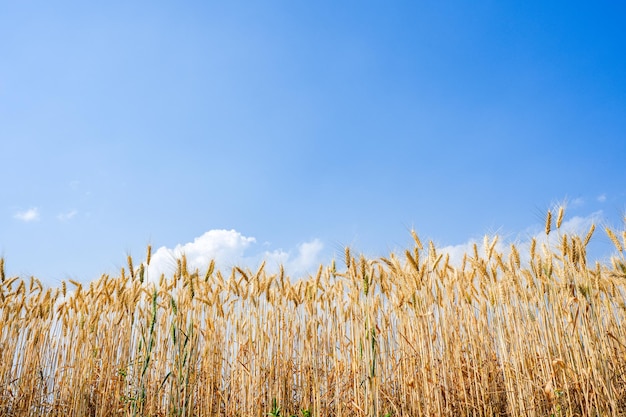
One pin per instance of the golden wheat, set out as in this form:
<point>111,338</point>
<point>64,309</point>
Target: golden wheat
<point>537,337</point>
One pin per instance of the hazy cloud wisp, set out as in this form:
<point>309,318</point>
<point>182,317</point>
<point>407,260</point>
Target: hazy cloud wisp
<point>29,215</point>
<point>67,215</point>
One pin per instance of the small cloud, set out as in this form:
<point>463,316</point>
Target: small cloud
<point>308,255</point>
<point>29,215</point>
<point>602,198</point>
<point>67,216</point>
<point>457,252</point>
<point>577,202</point>
<point>306,261</point>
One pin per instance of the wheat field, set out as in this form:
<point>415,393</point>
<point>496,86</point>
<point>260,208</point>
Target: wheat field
<point>501,334</point>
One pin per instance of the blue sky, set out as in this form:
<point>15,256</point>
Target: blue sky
<point>288,130</point>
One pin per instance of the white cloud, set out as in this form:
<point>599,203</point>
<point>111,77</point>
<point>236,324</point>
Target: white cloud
<point>68,215</point>
<point>456,252</point>
<point>230,248</point>
<point>308,256</point>
<point>580,225</point>
<point>29,215</point>
<point>305,262</point>
<point>577,225</point>
<point>225,246</point>
<point>601,198</point>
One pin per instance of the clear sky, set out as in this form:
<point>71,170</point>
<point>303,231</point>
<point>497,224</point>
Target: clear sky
<point>290,129</point>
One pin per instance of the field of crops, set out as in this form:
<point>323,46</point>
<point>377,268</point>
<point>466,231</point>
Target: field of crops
<point>406,335</point>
